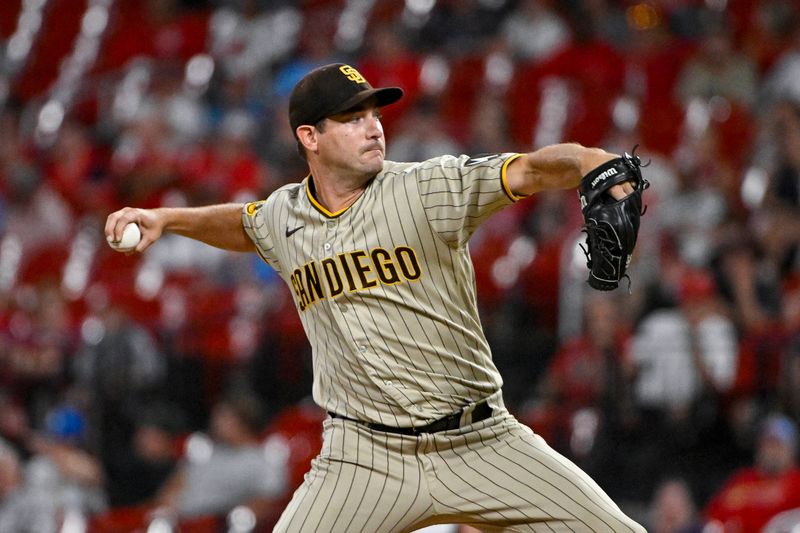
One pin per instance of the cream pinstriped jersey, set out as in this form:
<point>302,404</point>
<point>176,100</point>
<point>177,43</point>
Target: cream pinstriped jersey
<point>385,289</point>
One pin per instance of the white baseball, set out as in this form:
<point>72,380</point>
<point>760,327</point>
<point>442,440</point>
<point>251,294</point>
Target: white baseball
<point>130,238</point>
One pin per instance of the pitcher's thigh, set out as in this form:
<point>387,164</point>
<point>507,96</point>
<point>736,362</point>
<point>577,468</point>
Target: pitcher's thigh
<point>513,481</point>
<point>566,497</point>
<point>357,489</point>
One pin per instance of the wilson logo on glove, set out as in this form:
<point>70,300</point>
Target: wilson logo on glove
<point>604,175</point>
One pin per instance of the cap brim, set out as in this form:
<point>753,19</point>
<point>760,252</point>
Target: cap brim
<point>383,96</point>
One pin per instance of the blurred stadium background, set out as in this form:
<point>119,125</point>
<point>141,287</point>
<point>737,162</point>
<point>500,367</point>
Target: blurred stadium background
<point>117,372</point>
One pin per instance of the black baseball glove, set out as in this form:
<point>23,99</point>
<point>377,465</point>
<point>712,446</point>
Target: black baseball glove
<point>611,226</point>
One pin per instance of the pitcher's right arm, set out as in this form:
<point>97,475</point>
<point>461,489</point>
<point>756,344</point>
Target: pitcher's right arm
<point>217,225</point>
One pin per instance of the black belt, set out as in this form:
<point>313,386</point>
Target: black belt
<point>482,411</point>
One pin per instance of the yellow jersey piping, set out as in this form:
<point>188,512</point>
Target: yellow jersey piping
<point>506,188</point>
<point>318,206</point>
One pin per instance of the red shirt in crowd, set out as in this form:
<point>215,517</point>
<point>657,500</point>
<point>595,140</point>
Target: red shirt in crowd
<point>217,174</point>
<point>751,498</point>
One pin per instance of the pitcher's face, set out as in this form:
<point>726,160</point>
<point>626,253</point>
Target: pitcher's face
<point>353,141</point>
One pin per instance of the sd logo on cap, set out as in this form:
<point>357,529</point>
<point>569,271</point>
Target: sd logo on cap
<point>332,89</point>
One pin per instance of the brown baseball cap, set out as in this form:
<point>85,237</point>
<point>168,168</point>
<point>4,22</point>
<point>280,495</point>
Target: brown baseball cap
<point>332,89</point>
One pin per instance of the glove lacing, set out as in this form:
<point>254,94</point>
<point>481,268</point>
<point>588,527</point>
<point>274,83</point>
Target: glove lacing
<point>604,245</point>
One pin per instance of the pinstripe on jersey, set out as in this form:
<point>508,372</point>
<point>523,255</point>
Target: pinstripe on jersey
<point>385,288</point>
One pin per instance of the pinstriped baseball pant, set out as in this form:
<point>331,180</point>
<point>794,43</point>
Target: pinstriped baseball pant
<point>496,475</point>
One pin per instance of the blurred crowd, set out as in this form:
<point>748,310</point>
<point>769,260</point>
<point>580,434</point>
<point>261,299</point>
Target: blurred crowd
<point>172,387</point>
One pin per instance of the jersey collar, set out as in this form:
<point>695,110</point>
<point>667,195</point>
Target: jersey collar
<point>310,191</point>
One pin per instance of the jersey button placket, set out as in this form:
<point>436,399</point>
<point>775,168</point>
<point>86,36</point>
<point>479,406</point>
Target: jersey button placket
<point>331,227</point>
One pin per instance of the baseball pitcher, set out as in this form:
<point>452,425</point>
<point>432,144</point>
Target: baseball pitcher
<point>375,253</point>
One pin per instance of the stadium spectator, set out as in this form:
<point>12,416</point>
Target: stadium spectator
<point>789,386</point>
<point>14,424</point>
<point>224,168</point>
<point>75,169</point>
<point>62,480</point>
<point>685,352</point>
<point>578,85</point>
<point>654,60</point>
<point>34,213</point>
<point>315,47</point>
<point>144,156</point>
<point>231,466</point>
<point>420,134</point>
<point>534,30</point>
<point>763,366</point>
<point>673,510</point>
<point>585,400</point>
<point>778,224</point>
<point>388,61</point>
<point>697,207</point>
<point>686,360</point>
<point>119,367</point>
<point>753,495</point>
<point>590,372</point>
<point>612,22</point>
<point>488,126</point>
<point>39,346</point>
<point>248,38</point>
<point>162,29</point>
<point>765,29</point>
<point>136,472</point>
<point>768,374</point>
<point>718,69</point>
<point>780,82</point>
<point>10,472</point>
<point>783,191</point>
<point>277,147</point>
<point>461,27</point>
